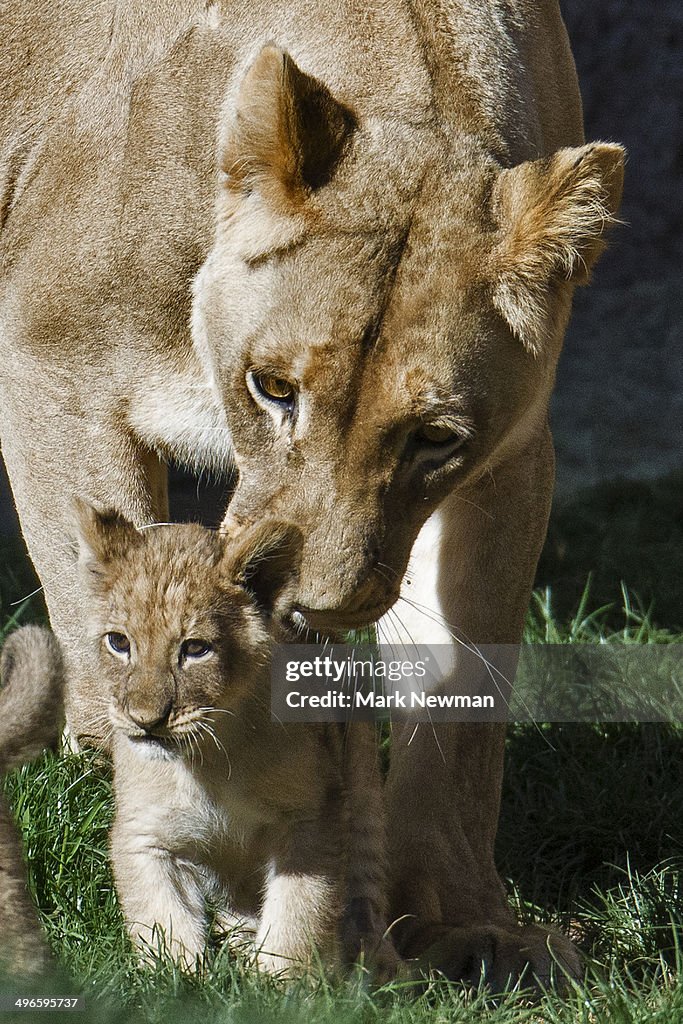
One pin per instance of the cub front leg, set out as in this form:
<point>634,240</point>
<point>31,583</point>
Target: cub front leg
<point>298,922</point>
<point>302,903</point>
<point>162,898</point>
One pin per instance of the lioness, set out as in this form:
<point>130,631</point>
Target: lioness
<point>384,209</point>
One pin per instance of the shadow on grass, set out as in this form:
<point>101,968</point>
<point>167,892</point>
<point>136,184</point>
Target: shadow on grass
<point>624,530</point>
<point>585,804</point>
<point>592,815</point>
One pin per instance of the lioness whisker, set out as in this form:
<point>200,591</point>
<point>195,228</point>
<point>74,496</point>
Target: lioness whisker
<point>382,632</point>
<point>468,645</point>
<point>395,615</point>
<point>473,649</point>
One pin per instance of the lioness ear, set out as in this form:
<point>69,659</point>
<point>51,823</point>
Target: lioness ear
<point>102,538</point>
<point>266,561</point>
<point>553,214</point>
<point>288,131</point>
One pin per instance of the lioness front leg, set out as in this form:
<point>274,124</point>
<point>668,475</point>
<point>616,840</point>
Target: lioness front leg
<point>473,568</point>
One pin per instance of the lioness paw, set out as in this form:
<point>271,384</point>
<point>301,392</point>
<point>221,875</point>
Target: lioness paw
<point>501,957</point>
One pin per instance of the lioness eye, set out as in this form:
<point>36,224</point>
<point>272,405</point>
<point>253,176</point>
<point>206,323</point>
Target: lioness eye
<point>277,389</point>
<point>438,434</point>
<point>118,643</point>
<point>195,649</point>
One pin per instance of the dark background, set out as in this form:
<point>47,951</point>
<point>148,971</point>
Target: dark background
<point>617,409</point>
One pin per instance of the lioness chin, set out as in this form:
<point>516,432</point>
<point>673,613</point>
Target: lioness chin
<point>334,247</point>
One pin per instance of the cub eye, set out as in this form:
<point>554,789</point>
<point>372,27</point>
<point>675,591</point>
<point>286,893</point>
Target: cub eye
<point>438,434</point>
<point>195,650</point>
<point>118,643</point>
<point>274,388</point>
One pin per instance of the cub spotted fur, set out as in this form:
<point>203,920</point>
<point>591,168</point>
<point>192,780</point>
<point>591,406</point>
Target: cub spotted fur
<point>280,826</point>
<point>30,716</point>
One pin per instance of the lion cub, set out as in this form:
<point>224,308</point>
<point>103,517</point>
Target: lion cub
<point>30,715</point>
<point>280,826</point>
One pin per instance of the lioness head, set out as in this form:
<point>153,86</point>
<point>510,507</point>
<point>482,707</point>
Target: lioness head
<point>382,309</point>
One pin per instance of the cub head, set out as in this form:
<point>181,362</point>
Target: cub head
<point>382,311</point>
<point>183,618</point>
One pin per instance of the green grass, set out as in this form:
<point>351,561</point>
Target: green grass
<point>596,850</point>
<point>591,833</point>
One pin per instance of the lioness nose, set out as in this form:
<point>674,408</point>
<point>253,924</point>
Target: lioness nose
<point>149,718</point>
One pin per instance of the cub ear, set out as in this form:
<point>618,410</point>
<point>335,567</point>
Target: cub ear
<point>102,538</point>
<point>288,131</point>
<point>265,560</point>
<point>552,214</point>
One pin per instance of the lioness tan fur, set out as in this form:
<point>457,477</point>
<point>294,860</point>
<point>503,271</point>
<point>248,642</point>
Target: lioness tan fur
<point>335,246</point>
<point>30,715</point>
<point>280,825</point>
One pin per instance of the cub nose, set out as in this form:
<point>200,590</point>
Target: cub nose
<point>149,718</point>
